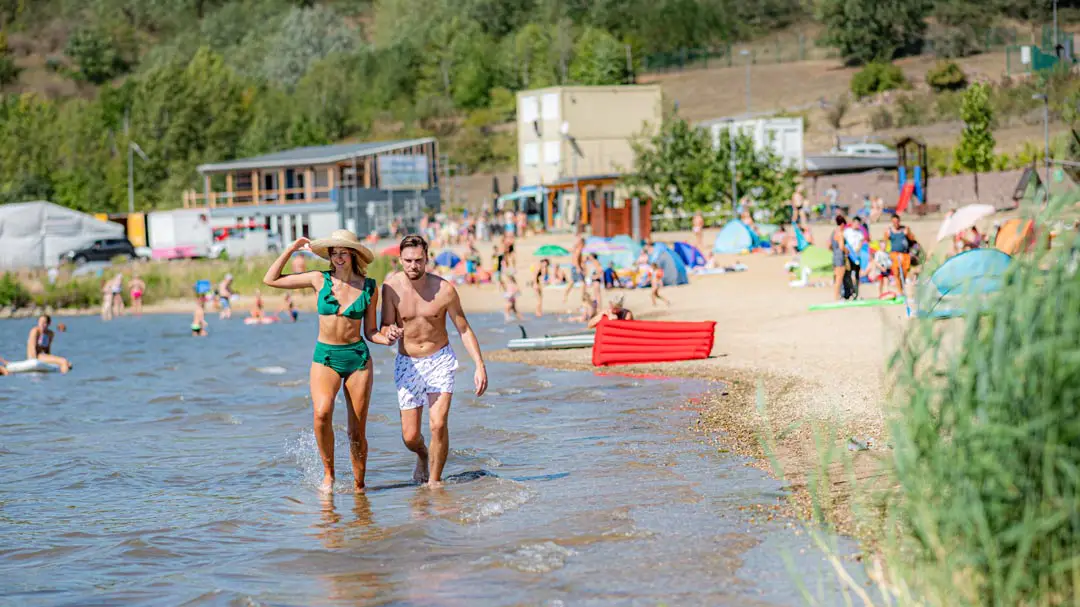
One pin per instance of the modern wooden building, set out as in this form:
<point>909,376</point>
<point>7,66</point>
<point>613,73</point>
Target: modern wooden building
<point>313,190</point>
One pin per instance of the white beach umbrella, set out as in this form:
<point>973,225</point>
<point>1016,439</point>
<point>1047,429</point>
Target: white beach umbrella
<point>962,219</point>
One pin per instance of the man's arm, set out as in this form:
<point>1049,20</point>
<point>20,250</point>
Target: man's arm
<point>457,315</point>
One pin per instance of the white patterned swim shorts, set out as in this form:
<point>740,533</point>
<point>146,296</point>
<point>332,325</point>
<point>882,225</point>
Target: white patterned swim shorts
<point>415,378</point>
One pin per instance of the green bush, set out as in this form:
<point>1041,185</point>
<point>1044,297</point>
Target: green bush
<point>877,78</point>
<point>947,105</point>
<point>9,72</point>
<point>987,446</point>
<point>94,52</point>
<point>12,292</point>
<point>79,293</point>
<point>912,110</point>
<point>881,119</point>
<point>946,76</point>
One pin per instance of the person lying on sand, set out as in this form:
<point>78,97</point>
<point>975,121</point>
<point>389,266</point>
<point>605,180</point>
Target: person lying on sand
<point>614,311</point>
<point>39,344</point>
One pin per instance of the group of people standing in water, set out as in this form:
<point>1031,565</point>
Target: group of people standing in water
<point>415,306</point>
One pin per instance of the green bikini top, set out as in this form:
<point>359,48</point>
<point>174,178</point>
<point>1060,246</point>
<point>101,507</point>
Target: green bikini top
<point>329,305</point>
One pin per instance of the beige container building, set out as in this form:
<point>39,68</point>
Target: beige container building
<point>601,120</point>
<point>583,134</point>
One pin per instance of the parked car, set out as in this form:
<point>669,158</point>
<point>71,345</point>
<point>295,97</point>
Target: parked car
<point>104,249</point>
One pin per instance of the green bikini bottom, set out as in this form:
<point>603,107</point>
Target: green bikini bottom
<point>343,359</point>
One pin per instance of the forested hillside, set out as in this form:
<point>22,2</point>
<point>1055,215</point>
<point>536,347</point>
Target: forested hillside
<point>195,81</point>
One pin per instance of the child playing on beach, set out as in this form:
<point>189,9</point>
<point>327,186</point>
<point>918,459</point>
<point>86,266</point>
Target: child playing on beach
<point>656,280</point>
<point>198,319</point>
<point>510,293</point>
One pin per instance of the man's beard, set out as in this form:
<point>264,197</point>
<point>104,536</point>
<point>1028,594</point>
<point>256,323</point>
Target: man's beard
<point>414,274</point>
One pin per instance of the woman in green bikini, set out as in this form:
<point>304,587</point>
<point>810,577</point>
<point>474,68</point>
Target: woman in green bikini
<point>347,304</point>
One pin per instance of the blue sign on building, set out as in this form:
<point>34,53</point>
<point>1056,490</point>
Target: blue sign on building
<point>404,172</point>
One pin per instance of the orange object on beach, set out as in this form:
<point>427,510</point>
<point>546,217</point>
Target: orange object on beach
<point>1015,236</point>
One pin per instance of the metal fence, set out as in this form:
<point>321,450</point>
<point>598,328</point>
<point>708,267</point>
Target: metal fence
<point>801,47</point>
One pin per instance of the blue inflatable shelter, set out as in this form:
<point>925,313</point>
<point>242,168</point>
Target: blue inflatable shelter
<point>971,274</point>
<point>690,255</point>
<point>670,262</point>
<point>736,237</point>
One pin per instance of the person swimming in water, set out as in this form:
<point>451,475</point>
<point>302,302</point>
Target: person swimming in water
<point>347,307</point>
<point>198,319</point>
<point>225,294</point>
<point>39,344</point>
<point>257,307</point>
<point>289,307</point>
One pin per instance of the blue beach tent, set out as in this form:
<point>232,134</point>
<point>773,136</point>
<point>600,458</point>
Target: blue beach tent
<point>690,255</point>
<point>971,275</point>
<point>736,237</point>
<point>670,262</point>
<point>447,259</point>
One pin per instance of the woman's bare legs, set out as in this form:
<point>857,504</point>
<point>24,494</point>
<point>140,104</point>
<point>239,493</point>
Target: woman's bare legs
<point>325,383</point>
<point>838,280</point>
<point>59,361</point>
<point>358,396</point>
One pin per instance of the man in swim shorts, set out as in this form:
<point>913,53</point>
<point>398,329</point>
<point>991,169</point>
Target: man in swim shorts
<point>225,293</point>
<point>419,303</point>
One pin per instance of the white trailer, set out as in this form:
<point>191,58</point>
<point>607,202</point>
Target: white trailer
<point>180,234</point>
<point>784,136</point>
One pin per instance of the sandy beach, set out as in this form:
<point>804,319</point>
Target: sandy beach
<point>820,373</point>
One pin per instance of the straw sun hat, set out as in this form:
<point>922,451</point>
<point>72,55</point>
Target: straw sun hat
<point>344,239</point>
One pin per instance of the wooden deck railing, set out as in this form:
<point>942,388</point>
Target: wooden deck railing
<point>193,199</point>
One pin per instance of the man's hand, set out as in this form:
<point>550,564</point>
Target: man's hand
<point>480,380</point>
<point>393,333</point>
<point>300,244</point>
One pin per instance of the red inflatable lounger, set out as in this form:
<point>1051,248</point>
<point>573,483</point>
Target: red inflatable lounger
<point>625,342</point>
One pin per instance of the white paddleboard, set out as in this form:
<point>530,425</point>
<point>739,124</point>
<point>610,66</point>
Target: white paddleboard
<point>265,320</point>
<point>32,365</point>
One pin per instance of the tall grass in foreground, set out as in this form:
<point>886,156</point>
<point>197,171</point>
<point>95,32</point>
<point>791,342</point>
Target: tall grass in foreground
<point>986,457</point>
<point>978,499</point>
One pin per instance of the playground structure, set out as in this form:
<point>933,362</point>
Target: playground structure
<point>912,176</point>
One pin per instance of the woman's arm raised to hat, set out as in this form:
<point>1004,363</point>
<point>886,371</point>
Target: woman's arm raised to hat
<point>274,278</point>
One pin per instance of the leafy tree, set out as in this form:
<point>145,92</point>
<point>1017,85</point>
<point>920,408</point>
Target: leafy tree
<point>9,72</point>
<point>874,30</point>
<point>97,57</point>
<point>305,36</point>
<point>680,169</point>
<point>976,149</point>
<point>598,59</point>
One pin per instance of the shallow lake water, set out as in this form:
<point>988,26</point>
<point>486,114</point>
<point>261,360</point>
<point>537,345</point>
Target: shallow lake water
<point>168,470</point>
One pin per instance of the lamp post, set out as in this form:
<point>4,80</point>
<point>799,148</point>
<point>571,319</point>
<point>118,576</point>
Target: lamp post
<point>746,53</point>
<point>1046,139</point>
<point>133,148</point>
<point>1057,53</point>
<point>733,165</point>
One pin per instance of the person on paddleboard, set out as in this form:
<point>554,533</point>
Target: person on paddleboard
<point>39,345</point>
<point>419,303</point>
<point>346,303</point>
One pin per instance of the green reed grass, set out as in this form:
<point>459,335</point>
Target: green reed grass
<point>986,439</point>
